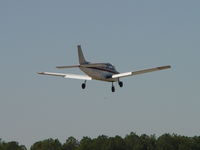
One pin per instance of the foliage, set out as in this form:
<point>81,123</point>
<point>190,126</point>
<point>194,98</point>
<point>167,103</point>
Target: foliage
<point>48,144</point>
<point>11,146</point>
<point>131,141</point>
<point>70,144</point>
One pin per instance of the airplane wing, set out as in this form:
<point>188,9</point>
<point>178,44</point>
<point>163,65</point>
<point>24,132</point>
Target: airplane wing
<point>71,76</point>
<point>126,74</point>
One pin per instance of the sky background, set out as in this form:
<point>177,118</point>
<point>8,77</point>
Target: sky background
<point>39,35</point>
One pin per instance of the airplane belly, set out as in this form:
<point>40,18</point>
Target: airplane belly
<point>98,74</point>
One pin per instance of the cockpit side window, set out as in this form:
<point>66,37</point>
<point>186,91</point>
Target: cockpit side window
<point>110,67</point>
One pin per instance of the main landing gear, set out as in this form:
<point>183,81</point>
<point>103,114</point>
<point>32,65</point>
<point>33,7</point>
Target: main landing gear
<point>83,85</point>
<point>120,84</point>
<point>112,88</point>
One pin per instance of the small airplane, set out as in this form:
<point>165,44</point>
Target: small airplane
<point>99,71</point>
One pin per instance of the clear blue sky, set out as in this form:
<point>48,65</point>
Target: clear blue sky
<point>39,35</point>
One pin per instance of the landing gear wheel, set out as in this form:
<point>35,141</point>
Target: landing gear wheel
<point>113,89</point>
<point>120,83</point>
<point>83,86</point>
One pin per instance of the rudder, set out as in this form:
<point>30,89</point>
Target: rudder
<point>81,56</point>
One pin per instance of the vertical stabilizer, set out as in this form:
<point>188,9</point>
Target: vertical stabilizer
<point>81,56</point>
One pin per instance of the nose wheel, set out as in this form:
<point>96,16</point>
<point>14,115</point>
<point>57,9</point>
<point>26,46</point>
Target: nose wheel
<point>83,85</point>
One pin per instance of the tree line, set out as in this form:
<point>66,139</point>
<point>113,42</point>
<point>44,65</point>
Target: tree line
<point>131,141</point>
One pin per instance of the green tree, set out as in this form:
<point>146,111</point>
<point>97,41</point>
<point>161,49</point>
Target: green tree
<point>116,143</point>
<point>48,144</point>
<point>11,146</point>
<point>185,143</point>
<point>145,142</point>
<point>70,144</point>
<point>166,142</point>
<point>100,143</point>
<point>195,143</point>
<point>1,144</point>
<point>131,141</point>
<point>85,144</point>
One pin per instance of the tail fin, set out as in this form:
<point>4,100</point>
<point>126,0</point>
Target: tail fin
<point>81,56</point>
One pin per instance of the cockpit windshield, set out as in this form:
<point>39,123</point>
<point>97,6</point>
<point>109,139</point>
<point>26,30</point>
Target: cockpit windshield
<point>110,66</point>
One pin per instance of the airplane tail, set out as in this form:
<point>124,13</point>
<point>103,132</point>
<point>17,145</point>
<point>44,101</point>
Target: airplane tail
<point>81,56</point>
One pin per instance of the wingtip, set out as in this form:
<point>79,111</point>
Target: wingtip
<point>164,67</point>
<point>40,72</point>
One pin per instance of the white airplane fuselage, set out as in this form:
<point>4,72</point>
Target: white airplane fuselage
<point>101,73</point>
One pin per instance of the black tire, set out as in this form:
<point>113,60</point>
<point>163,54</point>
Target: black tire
<point>83,86</point>
<point>120,83</point>
<point>113,89</point>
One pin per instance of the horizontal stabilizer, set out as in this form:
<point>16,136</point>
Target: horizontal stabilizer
<point>93,65</point>
<point>83,65</point>
<point>126,74</point>
<point>64,67</point>
<point>71,76</point>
